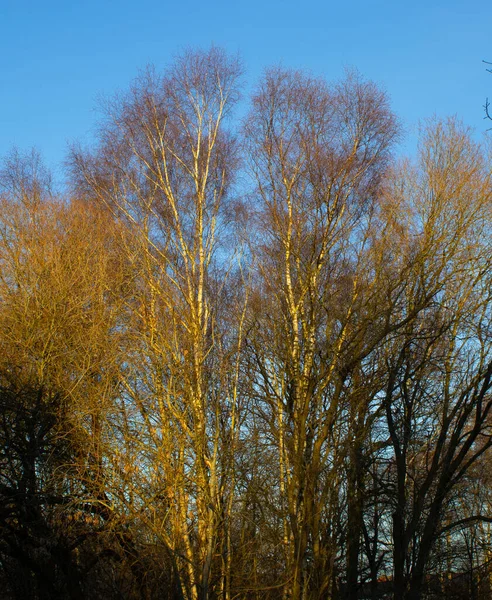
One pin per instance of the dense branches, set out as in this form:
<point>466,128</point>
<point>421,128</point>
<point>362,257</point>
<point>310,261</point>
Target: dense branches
<point>251,362</point>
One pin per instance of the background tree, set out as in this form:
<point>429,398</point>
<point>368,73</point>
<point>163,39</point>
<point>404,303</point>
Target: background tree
<point>62,315</point>
<point>437,397</point>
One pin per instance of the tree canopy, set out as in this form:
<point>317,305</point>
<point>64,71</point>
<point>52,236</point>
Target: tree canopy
<point>247,359</point>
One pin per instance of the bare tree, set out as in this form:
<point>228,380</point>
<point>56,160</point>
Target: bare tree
<point>62,311</point>
<point>165,165</point>
<point>318,155</point>
<point>437,398</point>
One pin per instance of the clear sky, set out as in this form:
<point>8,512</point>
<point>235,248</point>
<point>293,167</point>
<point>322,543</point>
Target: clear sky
<point>58,56</point>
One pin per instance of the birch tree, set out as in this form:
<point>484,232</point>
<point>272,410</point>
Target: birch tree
<point>318,154</point>
<point>165,165</point>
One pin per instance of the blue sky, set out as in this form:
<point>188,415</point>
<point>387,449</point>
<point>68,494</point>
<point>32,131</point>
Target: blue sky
<point>58,57</point>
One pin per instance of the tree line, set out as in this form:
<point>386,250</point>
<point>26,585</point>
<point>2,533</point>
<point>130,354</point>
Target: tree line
<point>247,359</point>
